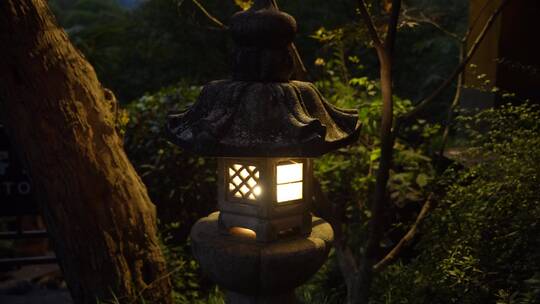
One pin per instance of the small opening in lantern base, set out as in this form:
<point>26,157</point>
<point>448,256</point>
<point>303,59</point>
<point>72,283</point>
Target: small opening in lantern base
<point>288,233</point>
<point>243,232</point>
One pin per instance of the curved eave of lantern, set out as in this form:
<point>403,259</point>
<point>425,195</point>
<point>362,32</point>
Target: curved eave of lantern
<point>262,119</point>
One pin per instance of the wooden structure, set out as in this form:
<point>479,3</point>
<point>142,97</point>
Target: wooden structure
<point>17,201</point>
<point>509,56</point>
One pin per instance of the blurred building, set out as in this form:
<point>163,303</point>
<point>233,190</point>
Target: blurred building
<point>508,60</point>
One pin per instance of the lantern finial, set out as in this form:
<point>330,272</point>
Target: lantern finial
<point>262,37</point>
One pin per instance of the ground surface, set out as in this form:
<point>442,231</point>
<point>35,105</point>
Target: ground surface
<point>34,284</point>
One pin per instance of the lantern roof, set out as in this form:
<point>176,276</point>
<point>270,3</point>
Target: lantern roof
<point>260,112</point>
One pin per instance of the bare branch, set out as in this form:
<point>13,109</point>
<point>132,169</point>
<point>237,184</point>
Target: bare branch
<point>407,238</point>
<point>455,103</point>
<point>392,26</point>
<point>369,23</point>
<point>422,18</point>
<point>346,261</point>
<point>207,14</point>
<point>387,135</point>
<point>461,66</point>
<point>475,21</point>
<point>300,70</point>
<point>385,163</point>
<point>380,199</point>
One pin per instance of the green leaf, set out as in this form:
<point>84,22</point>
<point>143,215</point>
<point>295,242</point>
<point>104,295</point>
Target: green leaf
<point>422,180</point>
<point>375,154</point>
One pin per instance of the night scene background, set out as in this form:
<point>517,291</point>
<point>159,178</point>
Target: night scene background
<point>437,201</point>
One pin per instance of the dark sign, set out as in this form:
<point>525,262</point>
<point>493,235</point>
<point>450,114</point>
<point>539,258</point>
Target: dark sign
<point>15,188</point>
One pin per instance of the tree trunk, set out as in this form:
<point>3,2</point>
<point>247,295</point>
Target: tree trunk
<point>98,212</point>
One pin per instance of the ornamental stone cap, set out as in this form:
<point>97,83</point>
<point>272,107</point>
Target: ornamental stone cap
<point>262,36</point>
<point>260,112</point>
<point>262,26</point>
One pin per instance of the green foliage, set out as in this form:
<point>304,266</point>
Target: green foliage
<point>424,55</point>
<point>180,184</point>
<point>244,4</point>
<point>154,45</point>
<point>348,175</point>
<point>188,285</point>
<point>481,244</point>
<point>161,42</point>
<point>326,286</point>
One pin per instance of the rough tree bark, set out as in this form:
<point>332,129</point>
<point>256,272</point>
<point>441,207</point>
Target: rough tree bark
<point>101,219</point>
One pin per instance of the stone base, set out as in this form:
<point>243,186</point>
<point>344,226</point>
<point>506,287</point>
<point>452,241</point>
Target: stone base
<point>255,272</point>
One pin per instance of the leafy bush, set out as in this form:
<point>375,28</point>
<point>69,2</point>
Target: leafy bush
<point>348,175</point>
<point>481,243</point>
<point>181,185</point>
<point>188,285</point>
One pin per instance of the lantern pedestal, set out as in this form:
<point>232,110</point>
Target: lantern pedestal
<point>255,272</point>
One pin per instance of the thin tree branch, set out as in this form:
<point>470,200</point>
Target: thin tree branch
<point>422,18</point>
<point>370,25</point>
<point>455,103</point>
<point>385,161</point>
<point>392,26</point>
<point>209,16</point>
<point>300,70</point>
<point>346,261</point>
<point>472,25</point>
<point>406,239</point>
<point>461,66</point>
<point>380,200</point>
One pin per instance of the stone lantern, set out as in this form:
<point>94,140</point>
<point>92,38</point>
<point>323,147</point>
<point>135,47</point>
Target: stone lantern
<point>264,129</point>
<point>268,197</point>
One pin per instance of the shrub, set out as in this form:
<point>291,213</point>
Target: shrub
<point>481,243</point>
<point>181,185</point>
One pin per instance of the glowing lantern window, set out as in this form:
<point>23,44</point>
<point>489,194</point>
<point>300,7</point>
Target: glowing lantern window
<point>289,182</point>
<point>244,181</point>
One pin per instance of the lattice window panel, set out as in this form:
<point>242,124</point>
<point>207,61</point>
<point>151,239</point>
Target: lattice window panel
<point>244,182</point>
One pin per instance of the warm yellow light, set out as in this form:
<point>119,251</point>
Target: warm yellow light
<point>243,232</point>
<point>289,192</point>
<point>244,173</point>
<point>289,173</point>
<point>252,183</point>
<point>257,190</point>
<point>289,182</point>
<point>243,181</point>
